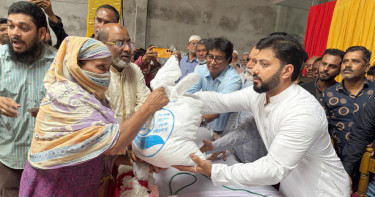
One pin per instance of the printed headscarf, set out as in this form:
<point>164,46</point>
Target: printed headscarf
<point>72,125</point>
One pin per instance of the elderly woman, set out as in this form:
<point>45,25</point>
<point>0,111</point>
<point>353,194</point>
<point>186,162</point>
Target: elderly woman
<point>74,128</point>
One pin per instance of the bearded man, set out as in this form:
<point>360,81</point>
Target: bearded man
<point>23,63</point>
<point>294,133</point>
<point>127,90</point>
<point>328,69</point>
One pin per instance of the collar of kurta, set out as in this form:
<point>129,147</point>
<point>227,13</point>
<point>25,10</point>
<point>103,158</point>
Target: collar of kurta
<point>114,70</point>
<point>284,94</point>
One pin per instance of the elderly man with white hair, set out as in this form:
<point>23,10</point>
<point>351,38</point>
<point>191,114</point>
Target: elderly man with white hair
<point>189,61</point>
<point>235,64</point>
<point>234,59</point>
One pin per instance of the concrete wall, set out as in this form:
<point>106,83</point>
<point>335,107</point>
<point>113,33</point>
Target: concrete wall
<point>130,17</point>
<point>171,22</point>
<point>290,19</point>
<point>244,22</point>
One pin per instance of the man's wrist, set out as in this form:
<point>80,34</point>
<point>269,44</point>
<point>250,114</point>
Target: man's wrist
<point>144,60</point>
<point>49,12</point>
<point>204,122</point>
<point>53,18</point>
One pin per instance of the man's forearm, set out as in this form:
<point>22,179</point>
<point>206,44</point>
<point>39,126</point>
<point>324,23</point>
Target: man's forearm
<point>211,117</point>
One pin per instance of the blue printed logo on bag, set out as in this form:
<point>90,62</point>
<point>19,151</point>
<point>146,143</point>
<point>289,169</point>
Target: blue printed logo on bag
<point>153,136</point>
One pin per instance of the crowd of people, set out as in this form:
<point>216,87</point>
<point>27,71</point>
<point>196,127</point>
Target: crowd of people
<point>70,110</point>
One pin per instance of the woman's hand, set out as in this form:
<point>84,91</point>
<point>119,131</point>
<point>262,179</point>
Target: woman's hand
<point>156,100</point>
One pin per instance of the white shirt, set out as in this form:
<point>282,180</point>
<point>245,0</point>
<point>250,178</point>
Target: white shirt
<point>293,127</point>
<point>127,91</point>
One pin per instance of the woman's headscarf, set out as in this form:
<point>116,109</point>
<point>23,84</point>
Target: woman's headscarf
<point>90,50</point>
<point>72,126</point>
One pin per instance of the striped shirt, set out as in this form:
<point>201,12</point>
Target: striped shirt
<point>23,83</point>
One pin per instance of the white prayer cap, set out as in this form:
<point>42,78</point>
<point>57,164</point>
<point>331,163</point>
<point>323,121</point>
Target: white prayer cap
<point>194,37</point>
<point>236,52</point>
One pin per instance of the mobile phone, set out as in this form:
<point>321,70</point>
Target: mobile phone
<point>163,53</point>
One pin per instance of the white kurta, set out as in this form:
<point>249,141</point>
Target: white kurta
<point>293,127</point>
<point>127,91</point>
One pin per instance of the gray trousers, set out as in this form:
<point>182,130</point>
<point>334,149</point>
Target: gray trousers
<point>9,181</point>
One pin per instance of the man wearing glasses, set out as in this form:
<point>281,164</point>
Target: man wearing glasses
<point>127,90</point>
<point>217,76</point>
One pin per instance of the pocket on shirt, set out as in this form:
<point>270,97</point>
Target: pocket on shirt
<point>11,87</point>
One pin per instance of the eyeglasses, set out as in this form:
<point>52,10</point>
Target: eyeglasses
<point>246,60</point>
<point>217,59</point>
<point>121,44</point>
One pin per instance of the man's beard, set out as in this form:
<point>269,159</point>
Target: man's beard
<point>120,63</point>
<point>248,75</point>
<point>329,78</point>
<point>267,86</point>
<point>28,55</point>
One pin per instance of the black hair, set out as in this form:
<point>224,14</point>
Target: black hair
<point>371,71</point>
<point>3,20</point>
<point>317,60</point>
<point>287,49</point>
<point>334,52</point>
<point>106,6</point>
<point>38,17</point>
<point>278,34</point>
<point>366,54</point>
<point>221,44</point>
<point>140,52</point>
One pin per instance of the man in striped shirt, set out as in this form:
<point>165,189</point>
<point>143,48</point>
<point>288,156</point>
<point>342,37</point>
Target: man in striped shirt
<point>23,64</point>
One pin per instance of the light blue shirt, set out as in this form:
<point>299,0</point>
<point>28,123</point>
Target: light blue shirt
<point>186,66</point>
<point>24,84</point>
<point>228,81</point>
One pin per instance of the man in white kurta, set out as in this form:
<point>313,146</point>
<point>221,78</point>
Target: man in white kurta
<point>300,154</point>
<point>291,123</point>
<point>127,90</point>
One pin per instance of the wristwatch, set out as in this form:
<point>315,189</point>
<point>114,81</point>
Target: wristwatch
<point>204,122</point>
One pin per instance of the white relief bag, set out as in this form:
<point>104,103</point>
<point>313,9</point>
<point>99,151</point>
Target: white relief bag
<point>168,138</point>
